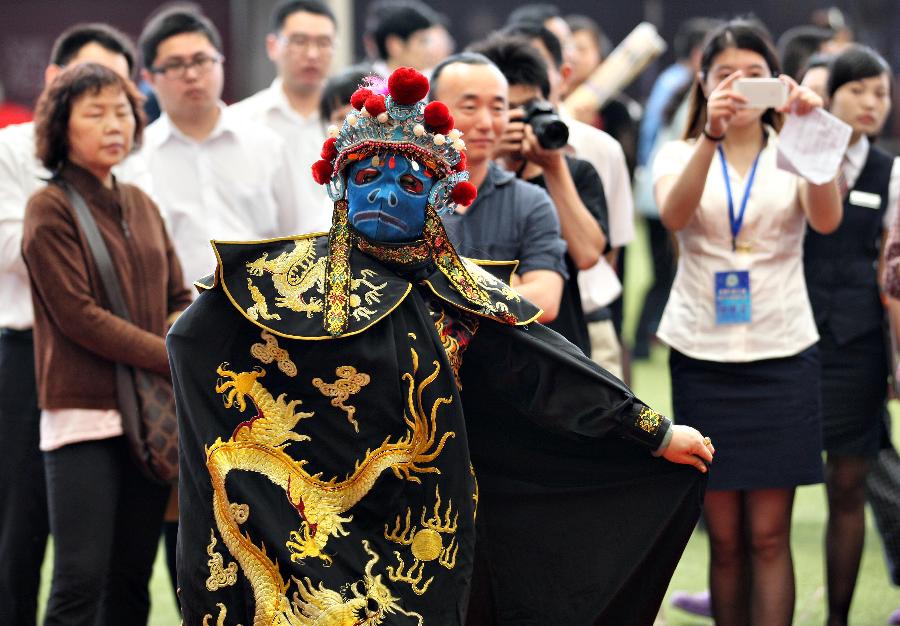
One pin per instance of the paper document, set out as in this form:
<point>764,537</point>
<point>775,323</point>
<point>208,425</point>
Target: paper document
<point>813,145</point>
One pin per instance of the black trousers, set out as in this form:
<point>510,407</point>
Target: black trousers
<point>106,520</point>
<point>23,495</point>
<point>663,255</point>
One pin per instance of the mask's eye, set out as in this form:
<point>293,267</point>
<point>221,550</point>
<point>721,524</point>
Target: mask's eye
<point>366,176</point>
<point>411,184</point>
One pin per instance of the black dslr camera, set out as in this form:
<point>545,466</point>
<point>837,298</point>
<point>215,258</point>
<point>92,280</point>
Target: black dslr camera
<point>551,132</point>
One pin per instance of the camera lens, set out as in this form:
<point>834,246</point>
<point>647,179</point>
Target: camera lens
<point>551,132</point>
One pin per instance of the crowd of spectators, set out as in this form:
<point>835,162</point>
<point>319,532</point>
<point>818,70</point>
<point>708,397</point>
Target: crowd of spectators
<point>805,373</point>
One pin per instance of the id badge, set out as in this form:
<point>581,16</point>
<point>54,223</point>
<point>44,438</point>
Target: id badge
<point>732,298</point>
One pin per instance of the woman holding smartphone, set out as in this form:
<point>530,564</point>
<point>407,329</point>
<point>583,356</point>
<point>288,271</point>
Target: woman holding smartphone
<point>744,362</point>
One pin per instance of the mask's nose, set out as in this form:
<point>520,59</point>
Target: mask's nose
<point>392,199</point>
<point>373,195</point>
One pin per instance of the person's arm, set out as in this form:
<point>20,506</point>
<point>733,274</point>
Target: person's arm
<point>59,278</point>
<point>543,288</point>
<point>678,196</point>
<point>542,269</point>
<point>822,205</point>
<point>585,240</point>
<point>14,192</point>
<point>537,375</point>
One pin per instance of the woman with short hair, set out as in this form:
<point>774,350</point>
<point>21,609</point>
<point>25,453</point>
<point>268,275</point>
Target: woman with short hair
<point>105,515</point>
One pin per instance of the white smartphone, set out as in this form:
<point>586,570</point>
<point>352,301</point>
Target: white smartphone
<point>762,93</point>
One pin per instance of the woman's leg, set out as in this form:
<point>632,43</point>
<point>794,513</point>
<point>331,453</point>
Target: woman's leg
<point>769,524</point>
<point>82,485</point>
<point>728,583</point>
<point>135,543</point>
<point>845,478</point>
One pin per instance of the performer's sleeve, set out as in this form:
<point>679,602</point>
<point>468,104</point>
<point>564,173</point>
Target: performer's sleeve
<point>536,373</point>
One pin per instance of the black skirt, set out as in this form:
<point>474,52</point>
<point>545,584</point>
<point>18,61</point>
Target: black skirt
<point>763,417</point>
<point>854,393</point>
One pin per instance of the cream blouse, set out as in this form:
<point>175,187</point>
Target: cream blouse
<point>769,247</point>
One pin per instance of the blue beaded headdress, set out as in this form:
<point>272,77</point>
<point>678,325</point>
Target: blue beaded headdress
<point>393,118</point>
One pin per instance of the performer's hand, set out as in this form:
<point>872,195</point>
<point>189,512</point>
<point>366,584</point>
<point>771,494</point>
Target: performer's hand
<point>689,447</point>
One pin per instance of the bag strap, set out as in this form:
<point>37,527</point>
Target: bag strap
<point>104,263</point>
<point>125,385</point>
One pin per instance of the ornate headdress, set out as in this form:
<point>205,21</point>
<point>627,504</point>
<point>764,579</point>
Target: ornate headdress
<point>392,118</point>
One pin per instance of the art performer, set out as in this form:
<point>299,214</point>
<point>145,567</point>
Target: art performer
<point>325,468</point>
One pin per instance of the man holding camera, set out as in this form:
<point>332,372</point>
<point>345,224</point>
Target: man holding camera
<point>509,219</point>
<point>533,147</point>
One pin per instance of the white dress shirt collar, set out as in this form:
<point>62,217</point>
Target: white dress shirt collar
<point>167,130</point>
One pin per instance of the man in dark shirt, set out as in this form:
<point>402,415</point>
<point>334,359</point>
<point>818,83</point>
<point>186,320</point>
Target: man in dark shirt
<point>510,219</point>
<point>573,184</point>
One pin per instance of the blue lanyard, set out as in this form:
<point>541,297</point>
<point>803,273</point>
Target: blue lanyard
<point>738,221</point>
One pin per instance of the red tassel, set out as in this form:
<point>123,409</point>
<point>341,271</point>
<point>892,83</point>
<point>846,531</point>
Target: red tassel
<point>464,193</point>
<point>358,99</point>
<point>375,105</point>
<point>322,171</point>
<point>407,86</point>
<point>329,150</point>
<point>461,166</point>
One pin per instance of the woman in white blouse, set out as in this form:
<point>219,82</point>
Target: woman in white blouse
<point>744,362</point>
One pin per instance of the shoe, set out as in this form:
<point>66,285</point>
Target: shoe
<point>693,603</point>
<point>894,619</point>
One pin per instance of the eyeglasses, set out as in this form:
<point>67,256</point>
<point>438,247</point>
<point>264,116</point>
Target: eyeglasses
<point>302,43</point>
<point>177,69</point>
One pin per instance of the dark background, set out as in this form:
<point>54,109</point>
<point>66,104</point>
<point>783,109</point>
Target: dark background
<point>28,28</point>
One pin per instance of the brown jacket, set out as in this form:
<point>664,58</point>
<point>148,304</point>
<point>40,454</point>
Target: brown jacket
<point>77,340</point>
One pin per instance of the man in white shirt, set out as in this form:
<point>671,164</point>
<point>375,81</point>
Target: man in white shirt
<point>401,33</point>
<point>23,504</point>
<point>215,175</point>
<point>301,45</point>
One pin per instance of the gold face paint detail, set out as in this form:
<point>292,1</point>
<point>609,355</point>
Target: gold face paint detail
<point>258,445</point>
<point>219,575</point>
<point>270,351</point>
<point>426,544</point>
<point>648,420</point>
<point>348,382</point>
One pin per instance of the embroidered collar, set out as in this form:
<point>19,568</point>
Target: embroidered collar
<point>281,285</point>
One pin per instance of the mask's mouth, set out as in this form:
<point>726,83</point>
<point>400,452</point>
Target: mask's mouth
<point>380,216</point>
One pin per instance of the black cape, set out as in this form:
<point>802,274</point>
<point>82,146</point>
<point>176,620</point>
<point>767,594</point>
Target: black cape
<point>330,480</point>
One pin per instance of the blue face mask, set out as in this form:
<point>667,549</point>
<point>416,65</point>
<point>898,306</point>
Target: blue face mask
<point>387,195</point>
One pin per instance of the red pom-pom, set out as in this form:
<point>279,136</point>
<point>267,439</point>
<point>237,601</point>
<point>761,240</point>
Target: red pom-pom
<point>437,115</point>
<point>464,193</point>
<point>446,128</point>
<point>358,99</point>
<point>329,150</point>
<point>461,166</point>
<point>322,171</point>
<point>375,105</point>
<point>407,85</point>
